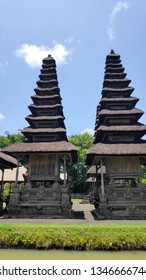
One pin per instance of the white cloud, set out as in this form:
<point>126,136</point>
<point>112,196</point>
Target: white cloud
<point>2,117</point>
<point>111,33</point>
<point>33,54</point>
<point>88,130</point>
<point>69,40</point>
<point>119,7</point>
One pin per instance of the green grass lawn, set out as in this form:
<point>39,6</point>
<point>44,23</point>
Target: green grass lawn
<point>77,237</point>
<point>74,200</point>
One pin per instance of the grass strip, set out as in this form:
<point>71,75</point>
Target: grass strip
<point>80,237</point>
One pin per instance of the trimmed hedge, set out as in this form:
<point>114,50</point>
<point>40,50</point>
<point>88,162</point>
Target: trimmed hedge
<point>73,237</point>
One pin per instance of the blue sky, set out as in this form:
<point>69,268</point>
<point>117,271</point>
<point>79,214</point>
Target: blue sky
<point>79,34</point>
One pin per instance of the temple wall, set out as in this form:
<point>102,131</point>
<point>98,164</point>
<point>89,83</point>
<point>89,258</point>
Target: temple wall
<point>123,165</point>
<point>43,165</point>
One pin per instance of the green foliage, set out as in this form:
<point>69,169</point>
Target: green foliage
<point>77,171</point>
<point>10,139</point>
<point>143,169</point>
<point>83,142</point>
<point>6,190</point>
<point>113,237</point>
<point>77,177</point>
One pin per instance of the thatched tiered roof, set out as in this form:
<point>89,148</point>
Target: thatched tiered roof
<point>47,132</point>
<point>7,161</point>
<point>117,130</point>
<point>42,147</point>
<point>47,119</point>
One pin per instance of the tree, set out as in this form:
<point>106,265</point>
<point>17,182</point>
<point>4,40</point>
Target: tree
<point>10,139</point>
<point>77,171</point>
<point>143,169</point>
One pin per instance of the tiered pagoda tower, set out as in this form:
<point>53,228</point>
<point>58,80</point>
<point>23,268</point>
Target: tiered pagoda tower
<point>46,153</point>
<point>118,147</point>
<point>47,119</point>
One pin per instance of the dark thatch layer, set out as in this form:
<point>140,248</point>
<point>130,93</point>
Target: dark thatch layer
<point>119,100</point>
<point>114,70</point>
<point>36,118</point>
<point>44,130</point>
<point>122,82</point>
<point>109,75</point>
<point>119,90</point>
<point>112,55</point>
<point>42,147</point>
<point>119,149</point>
<point>53,89</point>
<point>123,128</point>
<point>113,65</point>
<point>121,112</point>
<point>7,161</point>
<point>44,106</point>
<point>43,97</point>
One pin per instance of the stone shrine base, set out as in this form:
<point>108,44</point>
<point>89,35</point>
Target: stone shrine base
<point>121,212</point>
<point>40,202</point>
<point>123,203</point>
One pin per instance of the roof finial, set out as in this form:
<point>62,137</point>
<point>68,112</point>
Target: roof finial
<point>112,51</point>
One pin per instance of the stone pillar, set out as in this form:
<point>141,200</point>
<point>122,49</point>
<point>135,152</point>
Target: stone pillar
<point>102,179</point>
<point>17,171</point>
<point>15,196</point>
<point>1,192</point>
<point>102,211</point>
<point>64,160</point>
<point>2,180</point>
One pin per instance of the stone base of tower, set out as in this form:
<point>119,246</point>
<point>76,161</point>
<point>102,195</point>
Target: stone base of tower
<point>121,212</point>
<point>123,203</point>
<point>40,203</point>
<point>39,212</point>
